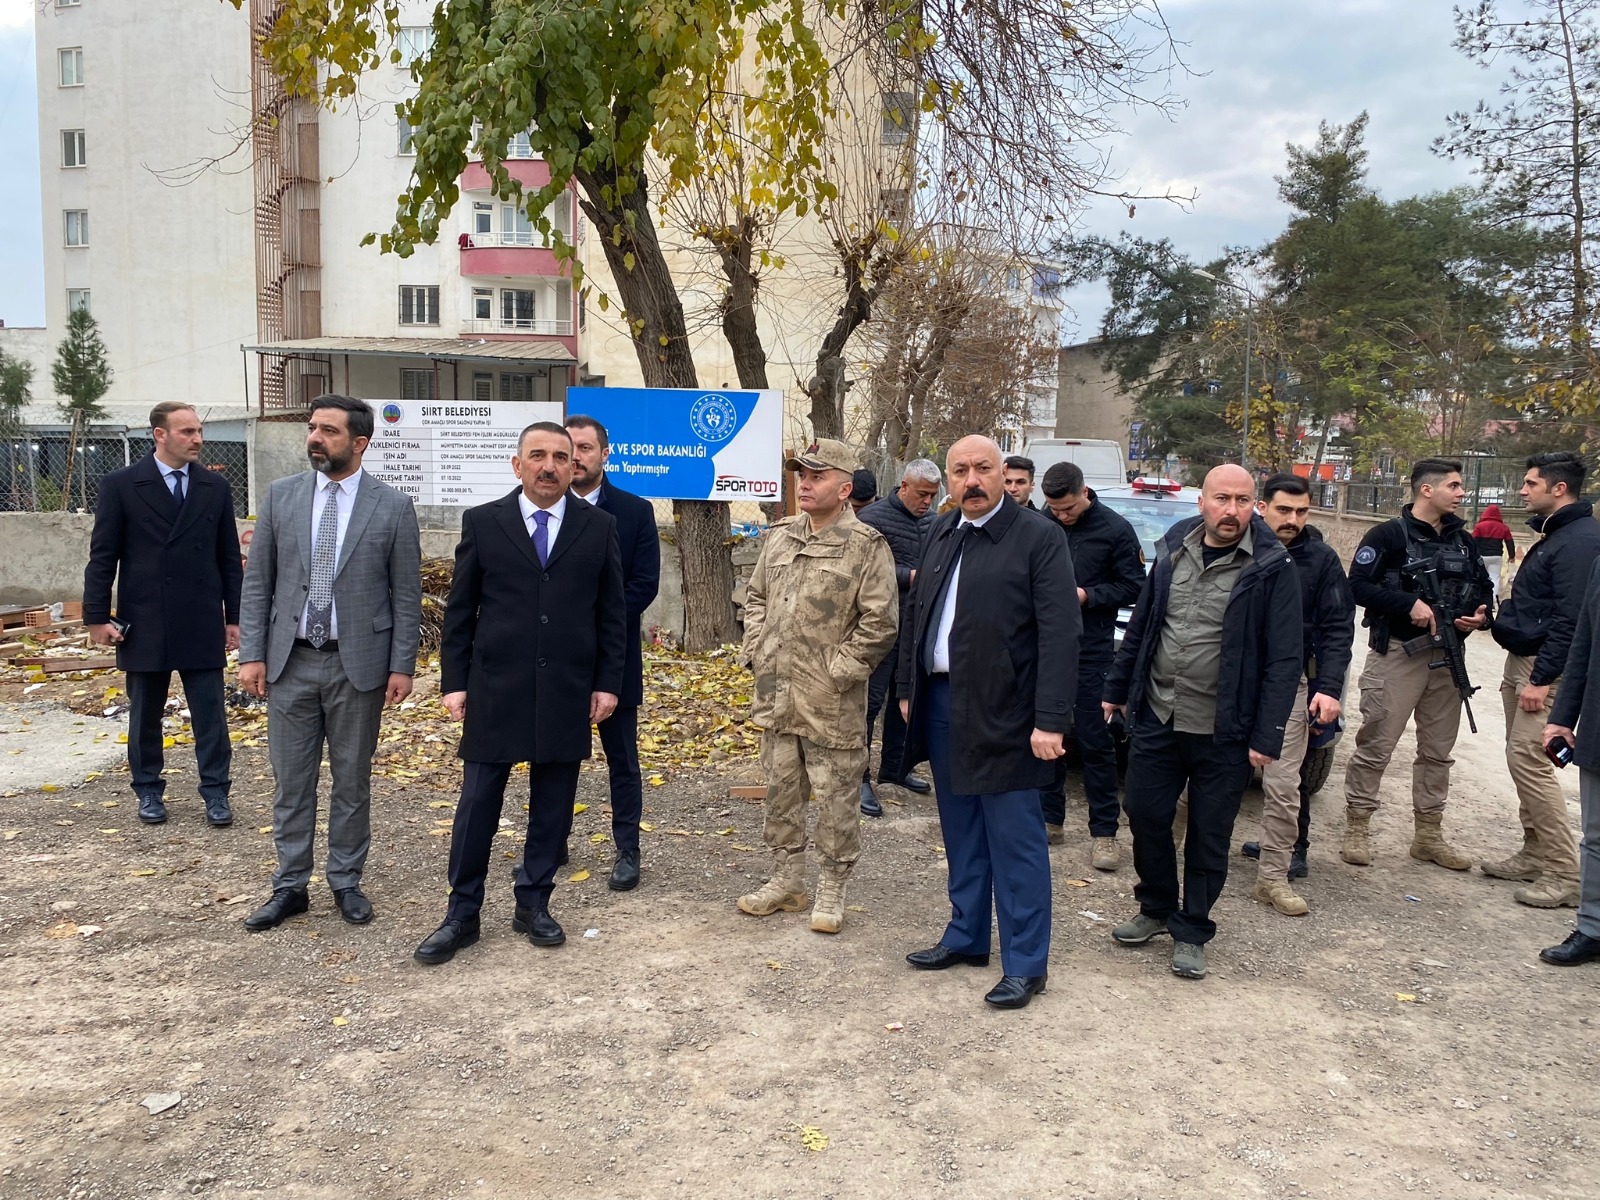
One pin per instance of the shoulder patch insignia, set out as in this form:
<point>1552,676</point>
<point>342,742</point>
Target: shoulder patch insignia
<point>1365,555</point>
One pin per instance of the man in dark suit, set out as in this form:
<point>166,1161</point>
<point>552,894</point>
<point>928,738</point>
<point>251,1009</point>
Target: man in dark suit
<point>990,666</point>
<point>332,615</point>
<point>534,643</point>
<point>168,528</point>
<point>641,579</point>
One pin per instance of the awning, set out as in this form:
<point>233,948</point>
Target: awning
<point>536,350</point>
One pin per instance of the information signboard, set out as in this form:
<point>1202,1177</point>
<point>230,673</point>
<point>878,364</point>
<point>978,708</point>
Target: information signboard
<point>690,443</point>
<point>451,452</point>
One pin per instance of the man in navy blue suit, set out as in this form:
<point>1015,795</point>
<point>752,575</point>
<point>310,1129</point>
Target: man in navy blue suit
<point>164,530</point>
<point>641,579</point>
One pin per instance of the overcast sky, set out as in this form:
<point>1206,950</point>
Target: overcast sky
<point>1266,73</point>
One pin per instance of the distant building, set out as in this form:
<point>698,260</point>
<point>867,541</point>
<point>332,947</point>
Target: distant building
<point>1089,401</point>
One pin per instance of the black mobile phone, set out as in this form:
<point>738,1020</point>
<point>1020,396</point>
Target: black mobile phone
<point>120,626</point>
<point>1559,751</point>
<point>1118,724</point>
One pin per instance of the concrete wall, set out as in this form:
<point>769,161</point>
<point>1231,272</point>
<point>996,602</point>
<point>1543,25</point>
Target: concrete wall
<point>1089,403</point>
<point>42,556</point>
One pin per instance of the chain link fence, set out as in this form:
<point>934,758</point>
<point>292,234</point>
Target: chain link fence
<point>41,470</point>
<point>1487,479</point>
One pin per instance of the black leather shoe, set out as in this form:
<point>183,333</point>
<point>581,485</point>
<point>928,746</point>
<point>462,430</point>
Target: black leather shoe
<point>624,872</point>
<point>152,811</point>
<point>539,926</point>
<point>219,813</point>
<point>869,800</point>
<point>441,945</point>
<point>285,903</point>
<point>911,783</point>
<point>353,906</point>
<point>1014,991</point>
<point>1298,867</point>
<point>937,958</point>
<point>1251,850</point>
<point>1578,949</point>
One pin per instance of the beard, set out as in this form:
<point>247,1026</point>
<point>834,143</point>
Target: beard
<point>330,463</point>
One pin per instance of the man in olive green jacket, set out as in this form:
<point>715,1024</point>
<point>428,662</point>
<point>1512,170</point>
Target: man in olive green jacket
<point>821,610</point>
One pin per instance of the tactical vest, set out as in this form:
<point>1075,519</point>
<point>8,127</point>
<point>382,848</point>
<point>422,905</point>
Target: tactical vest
<point>1457,568</point>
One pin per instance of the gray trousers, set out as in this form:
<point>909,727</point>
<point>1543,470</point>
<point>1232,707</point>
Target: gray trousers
<point>1589,854</point>
<point>310,705</point>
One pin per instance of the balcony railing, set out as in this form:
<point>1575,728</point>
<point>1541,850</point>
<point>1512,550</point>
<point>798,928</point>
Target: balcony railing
<point>511,237</point>
<point>545,325</point>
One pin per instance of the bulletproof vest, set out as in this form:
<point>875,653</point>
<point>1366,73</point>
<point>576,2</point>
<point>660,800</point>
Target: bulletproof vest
<point>1453,560</point>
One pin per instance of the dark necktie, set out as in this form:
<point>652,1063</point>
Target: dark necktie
<point>964,537</point>
<point>177,488</point>
<point>541,536</point>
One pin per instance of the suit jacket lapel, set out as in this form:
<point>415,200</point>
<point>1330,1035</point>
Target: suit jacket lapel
<point>572,525</point>
<point>299,517</point>
<point>197,491</point>
<point>152,487</point>
<point>366,503</point>
<point>509,514</point>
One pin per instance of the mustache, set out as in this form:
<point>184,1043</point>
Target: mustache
<point>975,492</point>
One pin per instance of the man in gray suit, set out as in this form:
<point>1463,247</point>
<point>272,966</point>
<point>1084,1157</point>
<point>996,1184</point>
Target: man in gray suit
<point>329,619</point>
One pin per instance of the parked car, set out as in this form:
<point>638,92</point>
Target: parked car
<point>1100,459</point>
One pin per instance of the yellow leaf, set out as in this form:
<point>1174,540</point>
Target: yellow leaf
<point>122,739</point>
<point>265,829</point>
<point>167,743</point>
<point>111,831</point>
<point>65,929</point>
<point>50,787</point>
<point>445,832</point>
<point>725,832</point>
<point>647,826</point>
<point>597,839</point>
<point>91,776</point>
<point>774,965</point>
<point>1077,883</point>
<point>110,803</point>
<point>577,876</point>
<point>579,808</point>
<point>341,1020</point>
<point>1405,997</point>
<point>813,1139</point>
<point>656,781</point>
<point>142,874</point>
<point>441,804</point>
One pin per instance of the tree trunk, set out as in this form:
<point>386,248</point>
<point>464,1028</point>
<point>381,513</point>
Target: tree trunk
<point>827,387</point>
<point>626,230</point>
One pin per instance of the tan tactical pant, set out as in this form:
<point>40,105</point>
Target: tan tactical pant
<point>1394,687</point>
<point>1540,804</point>
<point>1280,794</point>
<point>798,769</point>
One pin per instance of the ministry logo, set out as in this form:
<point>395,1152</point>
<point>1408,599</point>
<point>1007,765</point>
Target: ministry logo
<point>713,418</point>
<point>393,414</point>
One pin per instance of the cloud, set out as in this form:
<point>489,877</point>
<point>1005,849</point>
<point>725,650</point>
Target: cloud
<point>16,14</point>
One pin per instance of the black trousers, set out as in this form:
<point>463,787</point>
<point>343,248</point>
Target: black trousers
<point>881,697</point>
<point>619,738</point>
<point>552,788</point>
<point>1161,764</point>
<point>208,718</point>
<point>1098,753</point>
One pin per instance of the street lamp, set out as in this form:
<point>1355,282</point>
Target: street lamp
<point>1249,300</point>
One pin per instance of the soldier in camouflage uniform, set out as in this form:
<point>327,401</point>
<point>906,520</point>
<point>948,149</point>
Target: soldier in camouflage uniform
<point>822,608</point>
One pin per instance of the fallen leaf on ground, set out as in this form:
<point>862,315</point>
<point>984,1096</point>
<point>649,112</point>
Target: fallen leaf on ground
<point>49,787</point>
<point>583,808</point>
<point>656,781</point>
<point>65,929</point>
<point>142,874</point>
<point>12,834</point>
<point>1085,882</point>
<point>1405,997</point>
<point>341,1020</point>
<point>452,803</point>
<point>813,1139</point>
<point>577,876</point>
<point>110,803</point>
<point>647,826</point>
<point>774,965</point>
<point>597,839</point>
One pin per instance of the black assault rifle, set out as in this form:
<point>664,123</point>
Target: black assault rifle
<point>1424,574</point>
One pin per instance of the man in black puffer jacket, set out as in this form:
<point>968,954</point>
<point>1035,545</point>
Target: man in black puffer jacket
<point>1534,626</point>
<point>903,517</point>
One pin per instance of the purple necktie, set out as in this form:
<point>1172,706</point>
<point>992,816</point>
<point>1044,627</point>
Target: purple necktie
<point>541,536</point>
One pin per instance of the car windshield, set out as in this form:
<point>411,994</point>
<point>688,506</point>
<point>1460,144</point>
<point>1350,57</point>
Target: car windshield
<point>1150,517</point>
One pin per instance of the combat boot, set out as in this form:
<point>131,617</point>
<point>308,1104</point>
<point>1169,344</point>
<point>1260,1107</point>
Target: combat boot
<point>1281,896</point>
<point>1523,866</point>
<point>1357,848</point>
<point>1549,891</point>
<point>828,914</point>
<point>1055,835</point>
<point>1428,844</point>
<point>784,892</point>
<point>1105,855</point>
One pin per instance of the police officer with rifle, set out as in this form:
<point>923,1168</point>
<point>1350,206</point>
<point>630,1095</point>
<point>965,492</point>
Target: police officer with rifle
<point>1424,587</point>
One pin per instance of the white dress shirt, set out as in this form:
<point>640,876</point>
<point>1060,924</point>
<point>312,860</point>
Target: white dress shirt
<point>593,497</point>
<point>947,615</point>
<point>345,497</point>
<point>557,511</point>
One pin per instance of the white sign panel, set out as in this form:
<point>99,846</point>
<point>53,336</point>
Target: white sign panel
<point>452,452</point>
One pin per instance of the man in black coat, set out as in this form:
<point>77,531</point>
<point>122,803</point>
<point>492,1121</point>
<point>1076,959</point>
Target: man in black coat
<point>535,631</point>
<point>988,664</point>
<point>1534,626</point>
<point>164,530</point>
<point>1207,675</point>
<point>1109,567</point>
<point>641,580</point>
<point>902,517</point>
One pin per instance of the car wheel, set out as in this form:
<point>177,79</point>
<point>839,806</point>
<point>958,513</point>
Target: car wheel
<point>1317,767</point>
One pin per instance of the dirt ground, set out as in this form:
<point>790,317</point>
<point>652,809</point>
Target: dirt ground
<point>1402,1039</point>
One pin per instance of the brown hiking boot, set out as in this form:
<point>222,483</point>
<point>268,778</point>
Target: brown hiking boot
<point>1523,866</point>
<point>1281,896</point>
<point>1357,848</point>
<point>1105,855</point>
<point>1055,834</point>
<point>828,914</point>
<point>784,892</point>
<point>1549,891</point>
<point>1428,844</point>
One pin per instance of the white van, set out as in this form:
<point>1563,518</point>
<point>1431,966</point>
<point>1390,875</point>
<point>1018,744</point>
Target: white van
<point>1102,461</point>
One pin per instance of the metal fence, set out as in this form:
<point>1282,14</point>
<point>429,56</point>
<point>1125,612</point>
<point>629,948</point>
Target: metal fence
<point>1488,480</point>
<point>34,475</point>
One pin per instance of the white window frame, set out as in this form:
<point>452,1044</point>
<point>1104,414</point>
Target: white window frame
<point>482,387</point>
<point>418,383</point>
<point>77,298</point>
<point>413,42</point>
<point>515,227</point>
<point>483,304</point>
<point>73,138</point>
<point>404,131</point>
<point>899,118</point>
<point>68,3</point>
<point>75,221</point>
<point>76,60</point>
<point>508,317</point>
<point>419,299</point>
<point>483,221</point>
<point>520,146</point>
